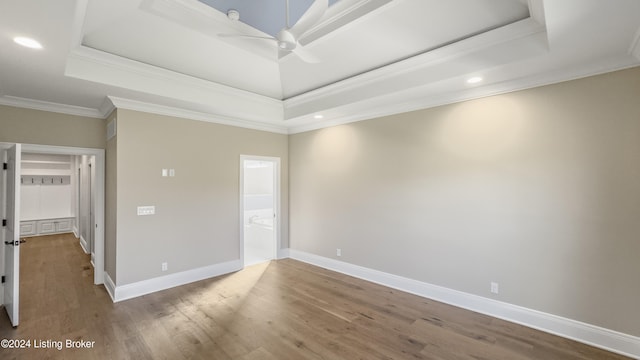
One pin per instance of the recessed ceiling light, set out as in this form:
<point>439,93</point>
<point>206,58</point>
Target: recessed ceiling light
<point>318,116</point>
<point>27,42</point>
<point>474,80</point>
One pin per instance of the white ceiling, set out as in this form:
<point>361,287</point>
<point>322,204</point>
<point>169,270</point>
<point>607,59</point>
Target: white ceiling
<point>379,57</point>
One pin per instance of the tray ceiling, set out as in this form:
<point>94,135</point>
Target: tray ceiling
<point>267,16</point>
<point>378,56</point>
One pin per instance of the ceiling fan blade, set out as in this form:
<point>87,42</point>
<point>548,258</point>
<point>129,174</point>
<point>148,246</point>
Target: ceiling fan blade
<point>246,37</point>
<point>306,55</point>
<point>310,17</point>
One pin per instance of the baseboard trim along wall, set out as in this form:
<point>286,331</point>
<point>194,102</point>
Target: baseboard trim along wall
<point>129,291</point>
<point>610,340</point>
<point>83,244</point>
<point>110,286</point>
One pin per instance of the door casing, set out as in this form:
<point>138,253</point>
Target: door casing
<point>276,195</point>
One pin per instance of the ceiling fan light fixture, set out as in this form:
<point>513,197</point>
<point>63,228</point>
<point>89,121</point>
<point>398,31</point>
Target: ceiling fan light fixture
<point>287,38</point>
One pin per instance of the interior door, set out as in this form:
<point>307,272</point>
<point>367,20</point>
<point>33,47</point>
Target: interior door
<point>12,236</point>
<point>259,206</point>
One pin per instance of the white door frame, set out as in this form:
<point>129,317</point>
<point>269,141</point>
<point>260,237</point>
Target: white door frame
<point>99,154</point>
<point>276,205</point>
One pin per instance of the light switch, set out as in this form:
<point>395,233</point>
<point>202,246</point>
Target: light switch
<point>164,172</point>
<point>146,210</point>
<point>172,172</point>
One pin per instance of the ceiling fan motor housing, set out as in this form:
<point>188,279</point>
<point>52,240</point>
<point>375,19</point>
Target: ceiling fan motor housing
<point>286,40</point>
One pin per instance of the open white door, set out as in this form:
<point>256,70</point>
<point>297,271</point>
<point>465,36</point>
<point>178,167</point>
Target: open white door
<point>259,206</point>
<point>12,236</point>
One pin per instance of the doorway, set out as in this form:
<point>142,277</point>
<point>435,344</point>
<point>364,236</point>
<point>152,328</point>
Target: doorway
<point>97,198</point>
<point>259,208</point>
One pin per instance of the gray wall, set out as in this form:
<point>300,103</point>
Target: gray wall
<point>197,211</point>
<point>28,126</point>
<point>538,190</point>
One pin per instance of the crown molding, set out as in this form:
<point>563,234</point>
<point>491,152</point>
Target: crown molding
<point>392,104</point>
<point>353,89</point>
<point>50,106</point>
<point>107,107</point>
<point>121,103</point>
<point>385,105</point>
<point>98,66</point>
<point>78,23</point>
<point>536,10</point>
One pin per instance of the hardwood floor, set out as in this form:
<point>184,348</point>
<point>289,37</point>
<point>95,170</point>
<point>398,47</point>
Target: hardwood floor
<point>279,310</point>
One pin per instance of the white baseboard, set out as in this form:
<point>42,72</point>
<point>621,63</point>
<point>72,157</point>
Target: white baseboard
<point>75,232</point>
<point>110,286</point>
<point>610,340</point>
<point>84,245</point>
<point>128,291</point>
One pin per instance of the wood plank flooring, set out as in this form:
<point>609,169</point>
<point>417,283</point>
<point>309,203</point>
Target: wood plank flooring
<point>273,311</point>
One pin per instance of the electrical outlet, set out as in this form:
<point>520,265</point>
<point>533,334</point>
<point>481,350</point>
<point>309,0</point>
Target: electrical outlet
<point>339,252</point>
<point>165,266</point>
<point>494,287</point>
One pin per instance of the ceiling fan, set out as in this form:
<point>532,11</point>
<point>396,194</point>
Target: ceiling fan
<point>287,38</point>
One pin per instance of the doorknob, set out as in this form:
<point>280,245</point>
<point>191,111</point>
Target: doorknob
<point>12,243</point>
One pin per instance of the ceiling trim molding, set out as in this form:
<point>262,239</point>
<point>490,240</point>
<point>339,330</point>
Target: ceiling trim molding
<point>77,32</point>
<point>107,107</point>
<point>146,70</point>
<point>517,30</point>
<point>536,11</point>
<point>97,66</point>
<point>128,104</point>
<point>368,111</point>
<point>50,106</point>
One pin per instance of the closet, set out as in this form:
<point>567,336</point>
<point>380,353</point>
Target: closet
<point>56,196</point>
<point>46,195</point>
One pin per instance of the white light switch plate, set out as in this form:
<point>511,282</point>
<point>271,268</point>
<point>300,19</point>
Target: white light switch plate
<point>146,210</point>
